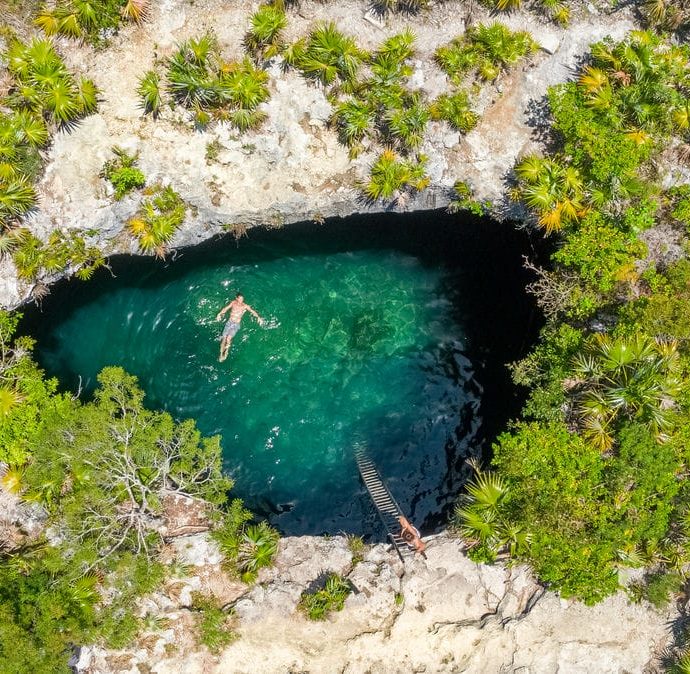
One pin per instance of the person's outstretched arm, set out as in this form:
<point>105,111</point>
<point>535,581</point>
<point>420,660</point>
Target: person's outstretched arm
<point>222,311</point>
<point>253,313</point>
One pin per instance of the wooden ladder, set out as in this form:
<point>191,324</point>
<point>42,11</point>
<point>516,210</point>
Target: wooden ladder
<point>386,506</point>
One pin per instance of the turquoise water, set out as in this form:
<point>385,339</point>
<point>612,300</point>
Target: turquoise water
<point>368,342</point>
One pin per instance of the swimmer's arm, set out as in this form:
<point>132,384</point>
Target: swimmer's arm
<point>253,313</point>
<point>222,311</point>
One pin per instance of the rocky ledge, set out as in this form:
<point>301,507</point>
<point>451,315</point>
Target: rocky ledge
<point>293,168</point>
<point>443,614</point>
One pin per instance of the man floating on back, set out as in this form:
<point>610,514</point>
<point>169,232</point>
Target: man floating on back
<point>237,309</point>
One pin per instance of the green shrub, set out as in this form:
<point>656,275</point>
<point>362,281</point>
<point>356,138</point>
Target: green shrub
<point>327,55</point>
<point>149,91</point>
<point>317,605</point>
<point>122,173</point>
<point>264,38</point>
<point>213,630</point>
<point>455,109</point>
<point>390,175</point>
<point>657,588</point>
<point>32,256</point>
<point>89,18</point>
<point>157,220</point>
<point>42,93</point>
<point>485,49</point>
<point>463,200</point>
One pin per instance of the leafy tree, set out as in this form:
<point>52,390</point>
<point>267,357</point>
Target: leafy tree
<point>105,468</point>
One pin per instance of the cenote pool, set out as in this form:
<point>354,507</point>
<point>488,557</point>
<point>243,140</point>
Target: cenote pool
<point>388,332</point>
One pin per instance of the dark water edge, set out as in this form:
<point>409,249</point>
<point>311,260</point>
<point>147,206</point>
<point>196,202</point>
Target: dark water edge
<point>481,255</point>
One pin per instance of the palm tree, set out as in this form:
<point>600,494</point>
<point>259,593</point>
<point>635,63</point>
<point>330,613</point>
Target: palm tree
<point>390,175</point>
<point>480,516</point>
<point>555,191</point>
<point>17,197</point>
<point>10,399</point>
<point>407,125</point>
<point>258,547</point>
<point>135,10</point>
<point>636,378</point>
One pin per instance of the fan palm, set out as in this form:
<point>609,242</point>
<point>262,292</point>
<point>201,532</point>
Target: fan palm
<point>17,197</point>
<point>267,24</point>
<point>149,91</point>
<point>258,547</point>
<point>407,125</point>
<point>681,115</point>
<point>135,10</point>
<point>632,377</point>
<point>330,55</point>
<point>352,119</point>
<point>10,399</point>
<point>455,109</point>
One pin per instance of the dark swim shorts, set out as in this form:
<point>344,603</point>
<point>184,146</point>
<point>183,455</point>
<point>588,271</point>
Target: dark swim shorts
<point>230,329</point>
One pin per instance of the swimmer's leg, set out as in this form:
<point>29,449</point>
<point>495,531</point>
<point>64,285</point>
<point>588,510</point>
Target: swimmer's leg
<point>224,344</point>
<point>224,348</point>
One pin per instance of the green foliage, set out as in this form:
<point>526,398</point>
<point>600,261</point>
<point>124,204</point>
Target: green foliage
<point>357,547</point>
<point>390,175</point>
<point>455,109</point>
<point>604,259</point>
<point>157,220</point>
<point>43,85</point>
<point>327,55</point>
<point>117,457</point>
<point>556,10</point>
<point>41,92</point>
<point>667,14</point>
<point>634,378</point>
<point>480,517</point>
<point>213,630</point>
<point>487,50</point>
<point>247,548</point>
<point>264,38</point>
<point>103,471</point>
<point>122,173</point>
<point>211,88</point>
<point>88,19</point>
<point>317,605</point>
<point>408,6</point>
<point>463,200</point>
<point>31,394</point>
<point>664,313</point>
<point>657,588</point>
<point>149,91</point>
<point>60,253</point>
<point>598,478</point>
<point>553,190</point>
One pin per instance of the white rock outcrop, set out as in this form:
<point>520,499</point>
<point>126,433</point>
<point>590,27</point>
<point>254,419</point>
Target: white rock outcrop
<point>442,614</point>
